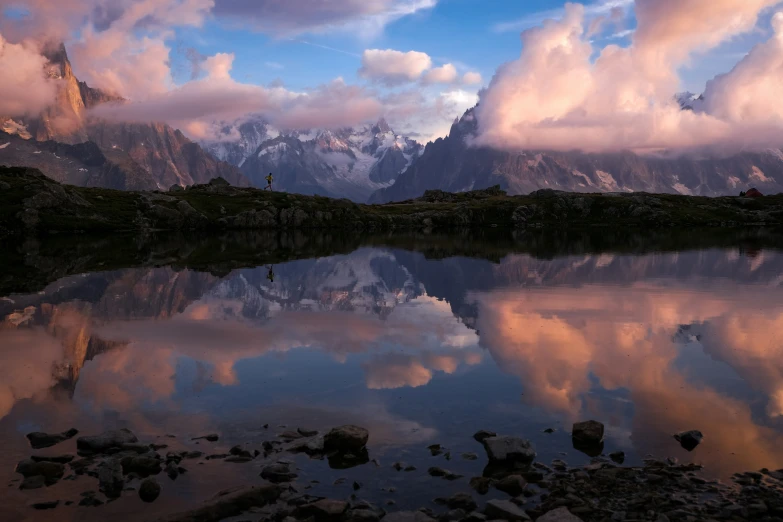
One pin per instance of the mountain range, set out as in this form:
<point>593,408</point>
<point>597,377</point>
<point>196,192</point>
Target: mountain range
<point>366,164</point>
<point>452,165</point>
<point>345,163</point>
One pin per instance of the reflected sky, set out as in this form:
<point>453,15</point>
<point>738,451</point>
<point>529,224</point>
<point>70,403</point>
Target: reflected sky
<point>418,350</point>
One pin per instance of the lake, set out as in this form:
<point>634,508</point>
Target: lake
<point>421,341</point>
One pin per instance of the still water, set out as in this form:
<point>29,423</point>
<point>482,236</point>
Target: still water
<point>418,350</point>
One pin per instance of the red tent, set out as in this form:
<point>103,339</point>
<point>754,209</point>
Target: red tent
<point>753,193</point>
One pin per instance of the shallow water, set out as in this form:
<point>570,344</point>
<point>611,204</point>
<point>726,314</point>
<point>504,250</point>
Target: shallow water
<point>417,350</point>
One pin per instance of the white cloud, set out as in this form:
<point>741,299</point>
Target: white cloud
<point>446,73</point>
<point>472,78</point>
<point>394,67</point>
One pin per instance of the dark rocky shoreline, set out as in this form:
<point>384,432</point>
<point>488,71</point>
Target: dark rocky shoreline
<point>31,204</point>
<point>603,491</point>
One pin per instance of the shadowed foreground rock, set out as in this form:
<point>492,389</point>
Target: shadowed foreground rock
<point>31,203</point>
<point>229,503</point>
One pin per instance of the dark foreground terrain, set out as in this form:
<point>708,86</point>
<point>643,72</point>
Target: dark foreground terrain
<point>31,203</point>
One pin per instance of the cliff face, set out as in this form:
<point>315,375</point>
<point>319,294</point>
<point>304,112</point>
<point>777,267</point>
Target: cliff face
<point>142,156</point>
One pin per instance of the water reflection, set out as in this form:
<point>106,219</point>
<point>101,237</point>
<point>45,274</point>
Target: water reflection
<point>415,349</point>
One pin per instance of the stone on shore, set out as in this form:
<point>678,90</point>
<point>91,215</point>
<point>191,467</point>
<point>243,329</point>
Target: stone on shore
<point>347,438</point>
<point>50,471</point>
<point>505,510</point>
<point>511,452</point>
<point>480,435</point>
<point>408,516</point>
<point>39,440</point>
<point>212,437</point>
<point>105,441</point>
<point>513,485</point>
<point>144,466</point>
<point>588,432</point>
<point>277,473</point>
<point>560,514</point>
<point>60,459</point>
<point>325,509</point>
<point>110,478</point>
<point>149,490</point>
<point>229,503</point>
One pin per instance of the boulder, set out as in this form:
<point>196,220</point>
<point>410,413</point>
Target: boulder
<point>105,441</point>
<point>480,435</point>
<point>60,459</point>
<point>514,485</point>
<point>39,440</point>
<point>481,484</point>
<point>689,439</point>
<point>588,432</point>
<point>617,456</point>
<point>325,509</point>
<point>46,505</point>
<point>110,478</point>
<point>149,490</point>
<point>504,510</point>
<point>346,439</point>
<point>560,514</point>
<point>408,516</point>
<point>34,482</point>
<point>144,466</point>
<point>277,473</point>
<point>511,452</point>
<point>50,471</point>
<point>229,503</point>
<point>461,501</point>
<point>212,437</point>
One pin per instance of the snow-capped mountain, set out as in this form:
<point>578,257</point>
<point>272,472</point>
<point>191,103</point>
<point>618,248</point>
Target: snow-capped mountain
<point>689,101</point>
<point>345,163</point>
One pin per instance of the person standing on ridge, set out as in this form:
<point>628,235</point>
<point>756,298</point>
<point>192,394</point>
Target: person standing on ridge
<point>268,182</point>
<point>271,275</point>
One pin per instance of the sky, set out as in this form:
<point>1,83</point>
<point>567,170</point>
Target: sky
<point>548,72</point>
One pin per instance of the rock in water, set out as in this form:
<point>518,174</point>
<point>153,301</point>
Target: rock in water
<point>144,466</point>
<point>40,440</point>
<point>408,516</point>
<point>617,456</point>
<point>325,509</point>
<point>46,505</point>
<point>504,510</point>
<point>50,471</point>
<point>560,514</point>
<point>61,459</point>
<point>588,432</point>
<point>149,490</point>
<point>346,438</point>
<point>110,479</point>
<point>212,437</point>
<point>277,473</point>
<point>34,482</point>
<point>689,439</point>
<point>509,452</point>
<point>105,441</point>
<point>480,435</point>
<point>514,485</point>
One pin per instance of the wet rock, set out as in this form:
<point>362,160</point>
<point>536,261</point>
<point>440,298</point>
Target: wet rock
<point>90,501</point>
<point>39,440</point>
<point>356,486</point>
<point>50,471</point>
<point>617,456</point>
<point>229,503</point>
<point>347,438</point>
<point>110,478</point>
<point>60,459</point>
<point>514,485</point>
<point>398,466</point>
<point>149,490</point>
<point>306,433</point>
<point>435,449</point>
<point>326,509</point>
<point>689,439</point>
<point>340,460</point>
<point>504,510</point>
<point>35,482</point>
<point>80,466</point>
<point>549,430</point>
<point>212,437</point>
<point>480,435</point>
<point>288,436</point>
<point>481,484</point>
<point>311,446</point>
<point>461,501</point>
<point>172,470</point>
<point>46,505</point>
<point>105,441</point>
<point>240,459</point>
<point>143,466</point>
<point>408,516</point>
<point>217,456</point>
<point>277,473</point>
<point>452,515</point>
<point>191,454</point>
<point>410,468</point>
<point>141,449</point>
<point>509,452</point>
<point>470,456</point>
<point>560,514</point>
<point>475,517</point>
<point>588,433</point>
<point>158,447</point>
<point>444,473</point>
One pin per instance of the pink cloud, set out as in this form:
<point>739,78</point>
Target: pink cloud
<point>556,97</point>
<point>446,73</point>
<point>394,67</point>
<point>23,83</point>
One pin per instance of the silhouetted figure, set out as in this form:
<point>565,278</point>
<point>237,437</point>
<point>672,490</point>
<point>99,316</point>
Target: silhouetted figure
<point>268,182</point>
<point>271,275</point>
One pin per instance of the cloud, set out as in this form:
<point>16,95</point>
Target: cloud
<point>445,74</point>
<point>472,78</point>
<point>600,10</point>
<point>555,96</point>
<point>392,67</point>
<point>428,114</point>
<point>23,83</point>
<point>288,18</point>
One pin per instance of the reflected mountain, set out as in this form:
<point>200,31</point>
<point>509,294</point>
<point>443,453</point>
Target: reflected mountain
<point>649,343</point>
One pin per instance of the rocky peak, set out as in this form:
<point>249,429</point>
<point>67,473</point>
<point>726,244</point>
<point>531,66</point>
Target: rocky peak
<point>381,127</point>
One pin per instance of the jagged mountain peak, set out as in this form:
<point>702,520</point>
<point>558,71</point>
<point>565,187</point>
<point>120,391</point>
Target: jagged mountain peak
<point>381,127</point>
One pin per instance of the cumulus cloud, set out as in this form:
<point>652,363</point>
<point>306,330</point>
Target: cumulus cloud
<point>555,96</point>
<point>23,83</point>
<point>285,17</point>
<point>472,78</point>
<point>394,67</point>
<point>445,74</point>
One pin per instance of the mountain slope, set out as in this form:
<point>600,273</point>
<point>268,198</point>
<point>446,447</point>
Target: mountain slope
<point>164,153</point>
<point>450,164</point>
<point>350,163</point>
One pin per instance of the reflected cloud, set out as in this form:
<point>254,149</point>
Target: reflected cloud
<point>566,343</point>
